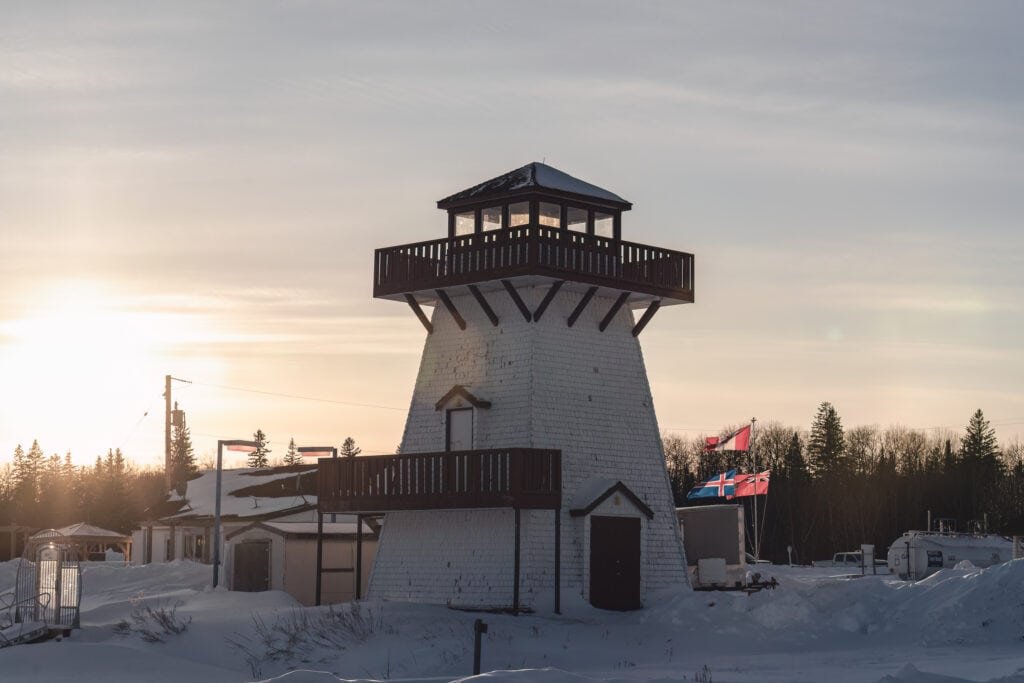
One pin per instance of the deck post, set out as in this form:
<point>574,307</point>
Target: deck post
<point>359,557</point>
<point>319,554</point>
<point>558,560</point>
<point>515,569</point>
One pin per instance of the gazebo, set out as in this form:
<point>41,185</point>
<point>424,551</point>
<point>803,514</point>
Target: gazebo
<point>90,542</point>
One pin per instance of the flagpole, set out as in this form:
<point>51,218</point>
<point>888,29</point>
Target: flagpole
<point>753,454</point>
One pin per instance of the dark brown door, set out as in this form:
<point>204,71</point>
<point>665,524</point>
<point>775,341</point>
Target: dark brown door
<point>252,566</point>
<point>615,562</point>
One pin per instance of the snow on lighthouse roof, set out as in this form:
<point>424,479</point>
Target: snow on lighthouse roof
<point>534,177</point>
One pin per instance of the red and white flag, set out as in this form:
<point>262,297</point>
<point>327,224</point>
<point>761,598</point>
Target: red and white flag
<point>752,484</point>
<point>737,441</point>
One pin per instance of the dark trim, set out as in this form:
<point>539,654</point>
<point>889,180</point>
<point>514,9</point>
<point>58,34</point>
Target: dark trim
<point>359,557</point>
<point>617,487</point>
<point>488,311</point>
<point>443,296</point>
<point>515,569</point>
<point>510,288</point>
<point>319,554</point>
<point>613,310</point>
<point>646,317</point>
<point>547,300</point>
<point>461,391</point>
<point>558,561</point>
<point>581,305</point>
<point>419,313</point>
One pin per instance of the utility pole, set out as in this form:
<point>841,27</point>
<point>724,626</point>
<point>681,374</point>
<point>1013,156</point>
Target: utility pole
<point>167,426</point>
<point>167,430</point>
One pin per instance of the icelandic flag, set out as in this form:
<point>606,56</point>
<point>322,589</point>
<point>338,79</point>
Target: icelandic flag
<point>752,484</point>
<point>737,441</point>
<point>718,486</point>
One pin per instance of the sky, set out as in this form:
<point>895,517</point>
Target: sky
<point>196,189</point>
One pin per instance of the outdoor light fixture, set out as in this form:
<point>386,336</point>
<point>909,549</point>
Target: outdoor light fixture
<point>318,451</point>
<point>231,445</point>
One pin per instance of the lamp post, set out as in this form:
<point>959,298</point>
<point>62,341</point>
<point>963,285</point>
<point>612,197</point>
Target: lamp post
<point>231,445</point>
<point>319,452</point>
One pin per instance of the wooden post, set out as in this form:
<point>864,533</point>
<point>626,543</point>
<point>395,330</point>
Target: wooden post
<point>359,557</point>
<point>319,554</point>
<point>558,560</point>
<point>515,570</point>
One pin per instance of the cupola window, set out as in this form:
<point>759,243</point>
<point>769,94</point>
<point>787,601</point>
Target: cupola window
<point>577,219</point>
<point>465,223</point>
<point>518,214</point>
<point>549,215</point>
<point>491,218</point>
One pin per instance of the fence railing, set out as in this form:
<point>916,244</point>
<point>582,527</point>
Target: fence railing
<point>533,250</point>
<point>509,477</point>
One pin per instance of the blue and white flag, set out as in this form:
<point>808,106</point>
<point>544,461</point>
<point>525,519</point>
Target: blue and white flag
<point>719,486</point>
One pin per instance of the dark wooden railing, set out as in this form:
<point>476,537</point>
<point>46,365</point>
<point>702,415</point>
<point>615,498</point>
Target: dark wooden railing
<point>504,477</point>
<point>533,250</point>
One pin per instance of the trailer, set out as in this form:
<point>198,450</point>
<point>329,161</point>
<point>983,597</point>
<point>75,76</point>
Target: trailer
<point>917,554</point>
<point>713,536</point>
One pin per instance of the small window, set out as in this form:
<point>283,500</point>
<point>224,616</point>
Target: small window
<point>518,214</point>
<point>465,223</point>
<point>490,218</point>
<point>459,430</point>
<point>577,219</point>
<point>550,215</point>
<point>604,225</point>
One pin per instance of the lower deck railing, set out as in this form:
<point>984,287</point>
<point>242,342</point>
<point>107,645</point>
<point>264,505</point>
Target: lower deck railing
<point>504,477</point>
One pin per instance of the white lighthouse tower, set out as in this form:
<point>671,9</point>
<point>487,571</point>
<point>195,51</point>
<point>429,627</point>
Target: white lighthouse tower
<point>531,466</point>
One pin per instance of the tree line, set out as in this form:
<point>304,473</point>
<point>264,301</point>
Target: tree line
<point>39,491</point>
<point>833,489</point>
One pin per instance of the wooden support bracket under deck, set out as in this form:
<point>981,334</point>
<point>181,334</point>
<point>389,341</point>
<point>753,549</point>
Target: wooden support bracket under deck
<point>581,305</point>
<point>443,296</point>
<point>646,317</point>
<point>547,300</point>
<point>613,310</point>
<point>491,315</point>
<point>510,288</point>
<point>419,313</point>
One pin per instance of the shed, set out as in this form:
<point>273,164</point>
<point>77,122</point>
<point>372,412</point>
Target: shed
<point>275,555</point>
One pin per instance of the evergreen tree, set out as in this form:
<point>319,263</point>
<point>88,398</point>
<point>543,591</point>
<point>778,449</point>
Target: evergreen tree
<point>258,459</point>
<point>826,446</point>
<point>979,442</point>
<point>292,455</point>
<point>349,448</point>
<point>183,458</point>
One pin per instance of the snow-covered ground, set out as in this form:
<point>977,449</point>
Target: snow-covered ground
<point>957,625</point>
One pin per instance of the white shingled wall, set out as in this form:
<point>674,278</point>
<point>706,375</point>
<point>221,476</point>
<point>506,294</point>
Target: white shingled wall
<point>576,389</point>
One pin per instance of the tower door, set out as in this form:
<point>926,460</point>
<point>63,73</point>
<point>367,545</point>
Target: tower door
<point>252,567</point>
<point>615,562</point>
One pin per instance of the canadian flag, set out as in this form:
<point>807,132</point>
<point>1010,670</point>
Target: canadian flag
<point>737,441</point>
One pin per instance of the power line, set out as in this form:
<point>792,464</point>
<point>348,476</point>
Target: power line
<point>297,396</point>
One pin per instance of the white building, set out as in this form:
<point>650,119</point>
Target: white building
<point>531,462</point>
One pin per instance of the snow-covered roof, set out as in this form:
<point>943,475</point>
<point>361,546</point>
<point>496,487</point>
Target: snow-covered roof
<point>246,492</point>
<point>533,176</point>
<point>83,530</point>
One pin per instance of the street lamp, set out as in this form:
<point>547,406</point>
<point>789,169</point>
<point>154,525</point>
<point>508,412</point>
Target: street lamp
<point>231,445</point>
<point>319,452</point>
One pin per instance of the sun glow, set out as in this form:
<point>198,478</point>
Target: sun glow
<point>82,365</point>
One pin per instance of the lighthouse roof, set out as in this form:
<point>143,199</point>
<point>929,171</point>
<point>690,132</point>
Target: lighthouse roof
<point>534,177</point>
